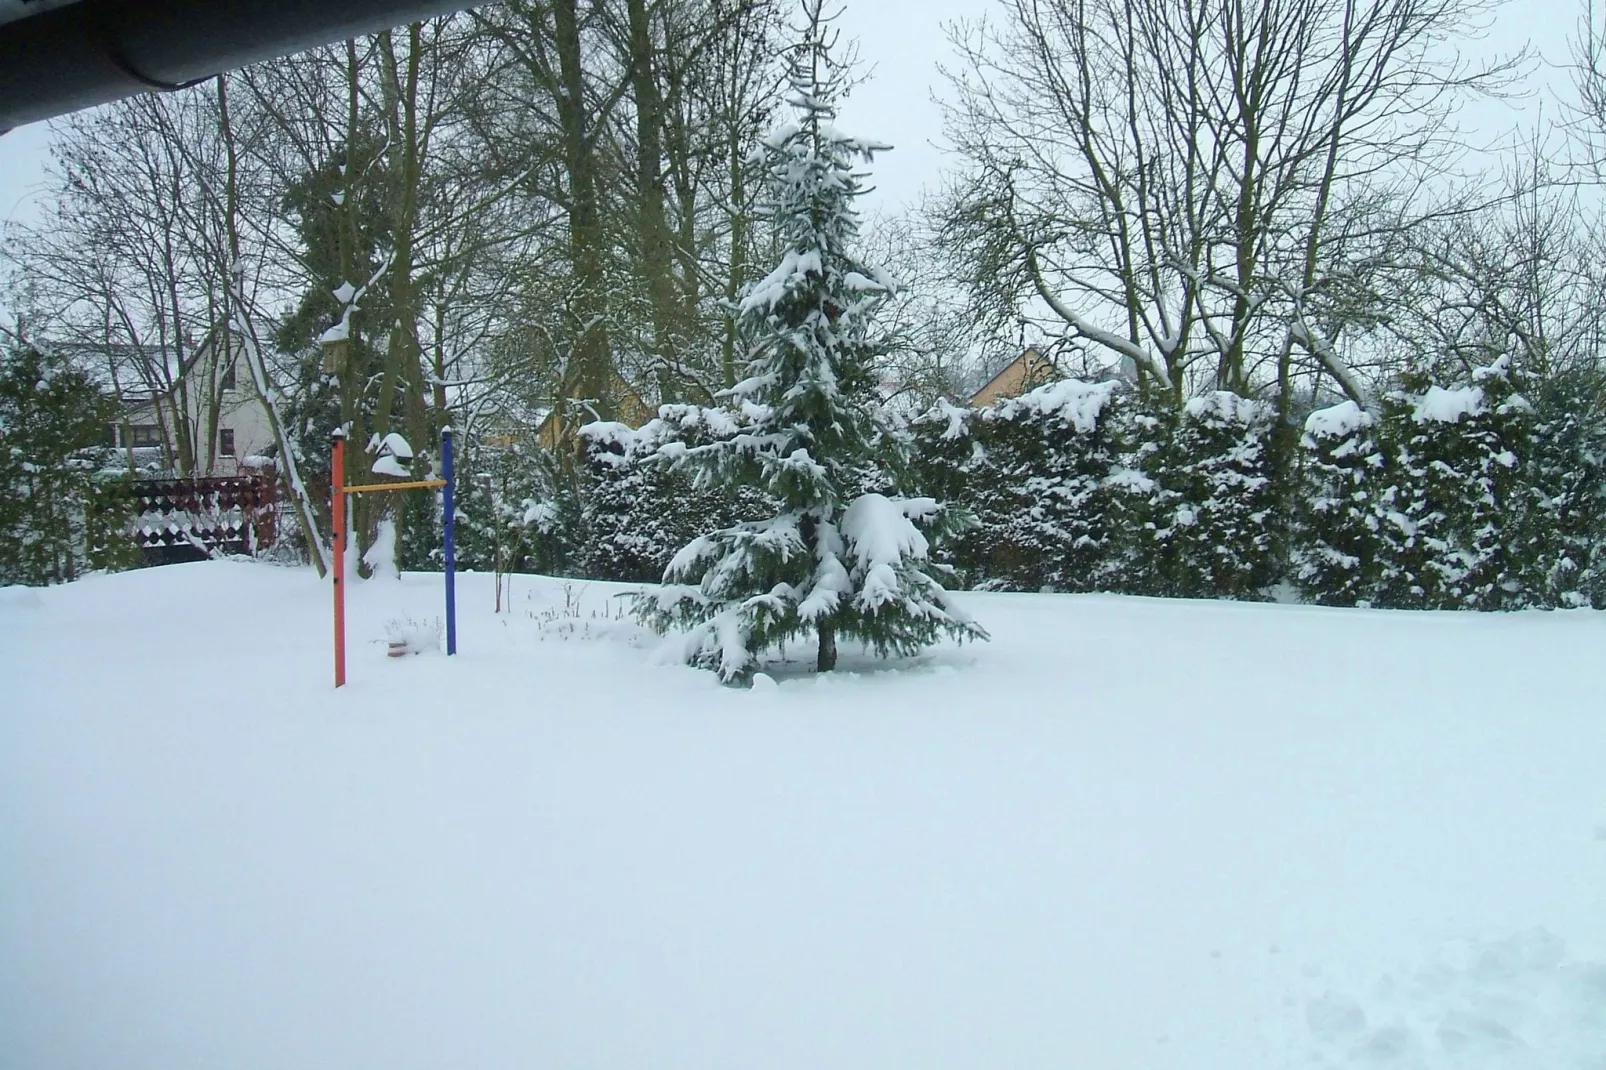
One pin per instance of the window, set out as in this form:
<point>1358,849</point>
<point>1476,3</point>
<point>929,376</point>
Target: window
<point>225,441</point>
<point>228,377</point>
<point>144,435</point>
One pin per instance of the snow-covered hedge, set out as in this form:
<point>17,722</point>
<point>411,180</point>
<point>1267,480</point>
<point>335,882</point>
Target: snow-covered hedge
<point>1082,487</point>
<point>1338,545</point>
<point>1451,490</point>
<point>1456,498</point>
<point>637,513</point>
<point>1565,488</point>
<point>1034,471</point>
<point>1449,497</point>
<point>1220,537</point>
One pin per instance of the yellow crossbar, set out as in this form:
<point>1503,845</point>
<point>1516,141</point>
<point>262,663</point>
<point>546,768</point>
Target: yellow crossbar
<point>417,484</point>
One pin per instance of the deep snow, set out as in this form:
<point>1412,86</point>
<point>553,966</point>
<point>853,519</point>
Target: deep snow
<point>1124,834</point>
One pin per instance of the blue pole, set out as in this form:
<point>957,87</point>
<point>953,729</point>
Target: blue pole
<point>451,542</point>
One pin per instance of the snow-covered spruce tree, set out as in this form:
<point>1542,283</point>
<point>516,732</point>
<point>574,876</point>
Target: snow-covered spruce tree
<point>834,561</point>
<point>1338,526</point>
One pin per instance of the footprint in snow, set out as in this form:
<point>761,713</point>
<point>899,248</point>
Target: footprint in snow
<point>1383,1045</point>
<point>1469,1034</point>
<point>1507,1003</point>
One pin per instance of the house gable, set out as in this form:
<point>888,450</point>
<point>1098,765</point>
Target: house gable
<point>1026,372</point>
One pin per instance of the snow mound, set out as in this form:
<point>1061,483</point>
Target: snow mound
<point>407,636</point>
<point>1448,406</point>
<point>1077,403</point>
<point>1224,406</point>
<point>390,466</point>
<point>381,556</point>
<point>1338,421</point>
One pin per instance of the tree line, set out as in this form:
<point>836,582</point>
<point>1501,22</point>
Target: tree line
<point>546,213</point>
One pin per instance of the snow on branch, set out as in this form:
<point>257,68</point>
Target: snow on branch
<point>1097,335</point>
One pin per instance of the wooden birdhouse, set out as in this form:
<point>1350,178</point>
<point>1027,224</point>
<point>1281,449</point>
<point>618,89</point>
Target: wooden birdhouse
<point>335,351</point>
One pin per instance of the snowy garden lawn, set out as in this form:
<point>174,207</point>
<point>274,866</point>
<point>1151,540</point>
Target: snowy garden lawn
<point>1124,834</point>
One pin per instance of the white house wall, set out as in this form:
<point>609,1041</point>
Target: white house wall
<point>238,411</point>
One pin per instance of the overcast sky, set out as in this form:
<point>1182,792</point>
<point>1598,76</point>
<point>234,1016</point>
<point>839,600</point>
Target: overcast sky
<point>903,41</point>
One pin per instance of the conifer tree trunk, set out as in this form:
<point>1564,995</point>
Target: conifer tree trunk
<point>827,659</point>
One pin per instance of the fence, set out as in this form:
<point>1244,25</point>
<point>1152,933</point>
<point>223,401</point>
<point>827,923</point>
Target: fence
<point>186,519</point>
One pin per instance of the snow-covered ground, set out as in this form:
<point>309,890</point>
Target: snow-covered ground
<point>1124,834</point>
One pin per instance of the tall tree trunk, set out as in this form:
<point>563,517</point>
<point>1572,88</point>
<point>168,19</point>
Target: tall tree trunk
<point>651,217</point>
<point>738,247</point>
<point>589,374</point>
<point>240,322</point>
<point>403,360</point>
<point>353,374</point>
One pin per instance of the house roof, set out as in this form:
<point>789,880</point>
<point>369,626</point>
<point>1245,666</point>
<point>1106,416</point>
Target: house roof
<point>98,359</point>
<point>1027,356</point>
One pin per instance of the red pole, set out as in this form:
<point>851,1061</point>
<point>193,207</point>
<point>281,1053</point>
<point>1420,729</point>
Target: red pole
<point>337,483</point>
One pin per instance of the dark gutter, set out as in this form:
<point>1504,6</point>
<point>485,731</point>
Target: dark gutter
<point>96,51</point>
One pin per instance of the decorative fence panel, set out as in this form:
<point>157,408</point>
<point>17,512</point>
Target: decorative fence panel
<point>182,519</point>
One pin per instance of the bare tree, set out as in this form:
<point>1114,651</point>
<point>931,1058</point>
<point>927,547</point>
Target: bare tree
<point>1520,279</point>
<point>1203,190</point>
<point>127,264</point>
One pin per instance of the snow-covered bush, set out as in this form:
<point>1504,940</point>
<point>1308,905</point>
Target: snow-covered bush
<point>1339,522</point>
<point>949,462</point>
<point>1142,503</point>
<point>1457,533</point>
<point>1083,486</point>
<point>1222,540</point>
<point>1454,497</point>
<point>1566,487</point>
<point>638,509</point>
<point>60,515</point>
<point>1034,470</point>
<point>515,511</point>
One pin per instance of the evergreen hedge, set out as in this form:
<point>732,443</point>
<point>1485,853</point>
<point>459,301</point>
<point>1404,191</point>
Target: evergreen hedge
<point>1489,495</point>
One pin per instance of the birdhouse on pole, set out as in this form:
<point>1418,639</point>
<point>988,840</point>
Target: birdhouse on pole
<point>334,355</point>
<point>336,341</point>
